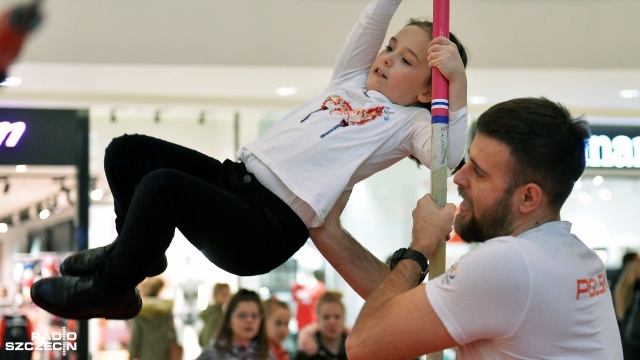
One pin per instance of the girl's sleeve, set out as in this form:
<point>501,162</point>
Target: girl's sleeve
<point>421,137</point>
<point>365,40</point>
<point>457,139</point>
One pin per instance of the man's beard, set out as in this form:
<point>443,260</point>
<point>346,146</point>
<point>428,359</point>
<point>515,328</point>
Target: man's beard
<point>497,221</point>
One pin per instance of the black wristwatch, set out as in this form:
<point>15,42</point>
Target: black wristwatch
<point>405,253</point>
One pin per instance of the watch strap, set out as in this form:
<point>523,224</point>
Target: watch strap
<point>407,253</point>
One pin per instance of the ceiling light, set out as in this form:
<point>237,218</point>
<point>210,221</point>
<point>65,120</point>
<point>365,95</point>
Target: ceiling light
<point>605,194</point>
<point>578,184</point>
<point>11,81</point>
<point>287,90</point>
<point>97,195</point>
<point>584,198</point>
<point>478,100</point>
<point>598,180</point>
<point>21,168</point>
<point>629,93</point>
<point>44,214</point>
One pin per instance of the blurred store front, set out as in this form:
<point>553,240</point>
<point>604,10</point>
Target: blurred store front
<point>43,217</point>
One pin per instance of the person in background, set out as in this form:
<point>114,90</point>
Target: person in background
<point>326,339</point>
<point>152,330</point>
<point>530,290</point>
<point>277,319</point>
<point>242,334</point>
<point>306,292</point>
<point>627,288</point>
<point>213,313</point>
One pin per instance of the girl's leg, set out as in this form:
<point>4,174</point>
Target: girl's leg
<point>127,160</point>
<point>230,217</point>
<point>130,157</point>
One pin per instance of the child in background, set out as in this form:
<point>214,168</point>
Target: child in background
<point>277,319</point>
<point>242,334</point>
<point>249,217</point>
<point>326,339</point>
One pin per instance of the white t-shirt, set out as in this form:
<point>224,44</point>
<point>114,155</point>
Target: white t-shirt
<point>346,134</point>
<point>541,295</point>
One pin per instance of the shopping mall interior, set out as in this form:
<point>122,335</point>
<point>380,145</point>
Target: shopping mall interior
<point>215,75</point>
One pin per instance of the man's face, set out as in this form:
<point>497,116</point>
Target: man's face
<point>484,185</point>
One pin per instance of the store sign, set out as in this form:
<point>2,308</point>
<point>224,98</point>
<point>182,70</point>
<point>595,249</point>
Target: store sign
<point>614,147</point>
<point>11,133</point>
<point>619,152</point>
<point>39,136</point>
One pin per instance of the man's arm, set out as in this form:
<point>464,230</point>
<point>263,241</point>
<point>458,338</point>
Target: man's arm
<point>357,266</point>
<point>398,321</point>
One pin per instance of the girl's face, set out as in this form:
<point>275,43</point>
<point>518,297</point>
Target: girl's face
<point>401,71</point>
<point>245,322</point>
<point>278,325</point>
<point>331,320</point>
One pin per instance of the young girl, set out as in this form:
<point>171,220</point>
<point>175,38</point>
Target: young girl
<point>242,334</point>
<point>327,341</point>
<point>248,217</point>
<point>277,319</point>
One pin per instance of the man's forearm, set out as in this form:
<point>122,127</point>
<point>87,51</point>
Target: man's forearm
<point>359,267</point>
<point>369,340</point>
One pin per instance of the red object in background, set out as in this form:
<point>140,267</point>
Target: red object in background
<point>305,297</point>
<point>15,24</point>
<point>15,328</point>
<point>455,238</point>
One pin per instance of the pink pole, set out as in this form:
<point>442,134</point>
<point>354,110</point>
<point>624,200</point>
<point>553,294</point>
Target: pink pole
<point>439,131</point>
<point>440,85</point>
<point>439,140</point>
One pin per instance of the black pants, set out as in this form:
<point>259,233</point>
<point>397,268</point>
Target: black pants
<point>220,208</point>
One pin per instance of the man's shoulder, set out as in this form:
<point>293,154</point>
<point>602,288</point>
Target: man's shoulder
<point>212,309</point>
<point>495,256</point>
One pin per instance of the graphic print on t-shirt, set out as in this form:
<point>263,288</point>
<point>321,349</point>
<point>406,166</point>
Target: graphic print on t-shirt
<point>337,105</point>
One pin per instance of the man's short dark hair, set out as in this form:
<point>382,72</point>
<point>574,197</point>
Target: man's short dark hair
<point>547,144</point>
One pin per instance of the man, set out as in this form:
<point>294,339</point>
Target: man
<point>532,290</point>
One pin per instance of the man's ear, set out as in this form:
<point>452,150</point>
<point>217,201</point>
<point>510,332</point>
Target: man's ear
<point>530,197</point>
<point>425,97</point>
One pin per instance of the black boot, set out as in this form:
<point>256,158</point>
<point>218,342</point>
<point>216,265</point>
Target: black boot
<point>74,297</point>
<point>86,262</point>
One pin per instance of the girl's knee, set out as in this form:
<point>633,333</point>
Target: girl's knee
<point>160,181</point>
<point>118,147</point>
